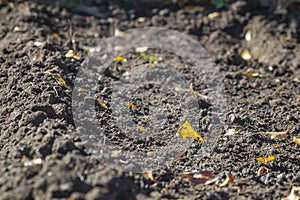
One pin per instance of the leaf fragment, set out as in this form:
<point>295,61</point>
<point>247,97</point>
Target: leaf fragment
<point>120,58</point>
<point>232,131</point>
<point>278,135</point>
<point>149,175</point>
<point>101,103</point>
<point>187,131</point>
<point>72,54</point>
<point>204,177</point>
<point>213,15</point>
<point>246,55</point>
<point>265,160</point>
<point>261,170</point>
<point>298,99</point>
<point>28,162</point>
<point>294,195</point>
<point>229,179</point>
<point>249,73</point>
<point>248,36</point>
<point>141,128</point>
<point>296,140</point>
<point>190,8</point>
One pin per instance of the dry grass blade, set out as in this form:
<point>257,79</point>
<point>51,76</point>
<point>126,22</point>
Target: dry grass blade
<point>278,135</point>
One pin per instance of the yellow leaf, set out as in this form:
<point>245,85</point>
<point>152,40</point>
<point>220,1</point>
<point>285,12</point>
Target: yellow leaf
<point>81,90</point>
<point>141,128</point>
<point>246,55</point>
<point>131,105</point>
<point>148,175</point>
<point>296,140</point>
<point>298,98</point>
<point>62,81</point>
<point>119,58</point>
<point>265,160</point>
<point>187,131</point>
<point>103,105</point>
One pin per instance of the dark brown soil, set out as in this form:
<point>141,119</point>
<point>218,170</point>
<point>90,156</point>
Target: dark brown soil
<point>36,118</point>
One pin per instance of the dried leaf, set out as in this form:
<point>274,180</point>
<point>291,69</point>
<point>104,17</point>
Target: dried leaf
<point>278,135</point>
<point>28,162</point>
<point>294,195</point>
<point>141,128</point>
<point>246,55</point>
<point>193,8</point>
<point>261,170</point>
<point>149,175</point>
<point>265,160</point>
<point>229,179</point>
<point>298,99</point>
<point>203,177</point>
<point>72,54</point>
<point>296,140</point>
<point>213,15</point>
<point>249,73</point>
<point>232,131</point>
<point>187,131</point>
<point>100,102</point>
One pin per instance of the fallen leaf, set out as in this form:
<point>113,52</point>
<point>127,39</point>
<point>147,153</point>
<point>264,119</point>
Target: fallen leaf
<point>276,145</point>
<point>149,175</point>
<point>141,128</point>
<point>28,162</point>
<point>120,58</point>
<point>296,140</point>
<point>81,90</point>
<point>249,73</point>
<point>229,179</point>
<point>193,8</point>
<point>298,99</point>
<point>62,81</point>
<point>246,55</point>
<point>232,131</point>
<point>100,102</point>
<point>265,160</point>
<point>294,195</point>
<point>187,131</point>
<point>131,105</point>
<point>278,135</point>
<point>213,15</point>
<point>261,170</point>
<point>150,154</point>
<point>72,54</point>
<point>203,177</point>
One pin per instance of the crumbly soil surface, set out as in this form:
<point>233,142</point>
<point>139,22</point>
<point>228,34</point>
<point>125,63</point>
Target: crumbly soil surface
<point>43,153</point>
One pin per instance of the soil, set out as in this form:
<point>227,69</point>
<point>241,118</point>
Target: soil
<point>43,154</point>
